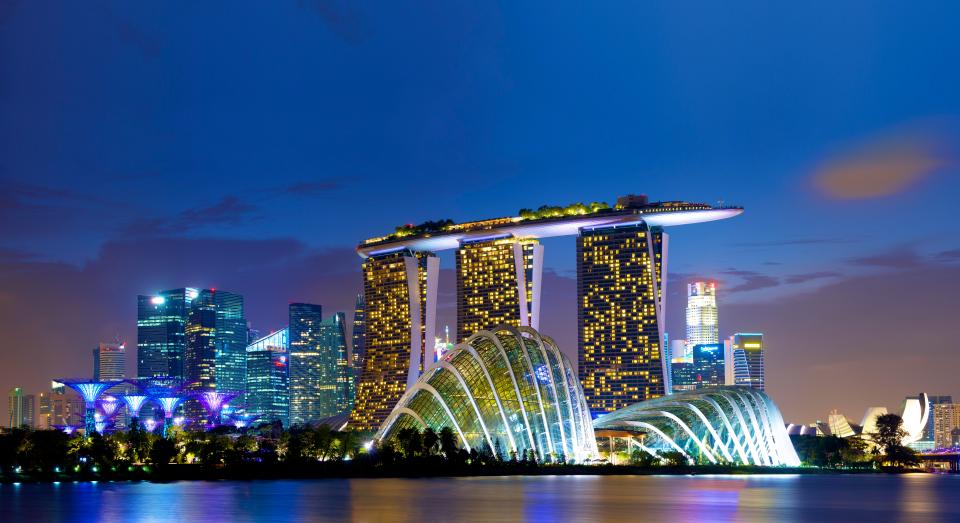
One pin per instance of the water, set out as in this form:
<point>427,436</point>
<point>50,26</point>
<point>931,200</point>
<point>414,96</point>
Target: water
<point>841,498</point>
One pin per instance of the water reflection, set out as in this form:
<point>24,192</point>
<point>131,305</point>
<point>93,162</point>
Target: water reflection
<point>874,498</point>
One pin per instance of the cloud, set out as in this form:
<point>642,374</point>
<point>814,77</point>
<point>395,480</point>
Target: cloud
<point>751,281</point>
<point>799,241</point>
<point>810,276</point>
<point>228,211</point>
<point>948,256</point>
<point>883,166</point>
<point>343,19</point>
<point>903,257</point>
<point>305,188</point>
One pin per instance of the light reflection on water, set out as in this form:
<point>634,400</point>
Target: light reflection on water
<point>827,498</point>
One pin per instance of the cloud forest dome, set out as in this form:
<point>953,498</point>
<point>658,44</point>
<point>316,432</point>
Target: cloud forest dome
<point>724,424</point>
<point>509,389</point>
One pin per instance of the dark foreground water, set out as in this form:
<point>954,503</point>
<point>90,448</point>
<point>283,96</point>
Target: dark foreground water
<point>828,498</point>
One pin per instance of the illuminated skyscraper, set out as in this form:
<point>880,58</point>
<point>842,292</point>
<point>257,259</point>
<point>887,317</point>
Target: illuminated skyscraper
<point>200,355</point>
<point>498,283</point>
<point>929,433</point>
<point>744,353</point>
<point>161,332</point>
<point>20,408</point>
<point>620,313</point>
<point>305,363</point>
<point>946,419</point>
<point>400,292</point>
<point>110,362</point>
<point>335,374</point>
<point>230,341</point>
<point>708,365</point>
<point>702,325</point>
<point>268,393</point>
<point>359,333</point>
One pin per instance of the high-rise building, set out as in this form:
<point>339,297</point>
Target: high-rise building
<point>21,409</point>
<point>230,342</point>
<point>44,411</point>
<point>684,376</point>
<point>620,293</point>
<point>744,359</point>
<point>708,365</point>
<point>400,292</point>
<point>359,334</point>
<point>268,392</point>
<point>161,332</point>
<point>335,374</point>
<point>946,419</point>
<point>929,432</point>
<point>498,283</point>
<point>66,406</point>
<point>110,362</point>
<point>702,326</point>
<point>305,363</point>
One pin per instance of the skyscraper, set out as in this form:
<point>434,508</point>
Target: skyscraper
<point>744,352</point>
<point>110,362</point>
<point>620,313</point>
<point>230,342</point>
<point>161,332</point>
<point>268,393</point>
<point>359,333</point>
<point>400,291</point>
<point>498,283</point>
<point>708,365</point>
<point>305,363</point>
<point>335,375</point>
<point>21,409</point>
<point>930,432</point>
<point>946,419</point>
<point>702,326</point>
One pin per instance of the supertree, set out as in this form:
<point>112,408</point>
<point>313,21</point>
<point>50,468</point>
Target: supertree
<point>213,402</point>
<point>109,405</point>
<point>150,424</point>
<point>134,403</point>
<point>244,420</point>
<point>166,392</point>
<point>90,390</point>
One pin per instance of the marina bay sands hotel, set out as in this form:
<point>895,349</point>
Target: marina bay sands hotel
<point>621,264</point>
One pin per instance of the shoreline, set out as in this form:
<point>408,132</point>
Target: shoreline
<point>252,472</point>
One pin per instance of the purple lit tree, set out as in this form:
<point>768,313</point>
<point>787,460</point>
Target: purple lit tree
<point>90,390</point>
<point>134,403</point>
<point>213,402</point>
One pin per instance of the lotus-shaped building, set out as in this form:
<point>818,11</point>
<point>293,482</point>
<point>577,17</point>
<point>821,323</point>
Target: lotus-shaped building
<point>510,389</point>
<point>724,424</point>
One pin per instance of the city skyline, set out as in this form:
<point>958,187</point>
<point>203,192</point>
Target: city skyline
<point>839,137</point>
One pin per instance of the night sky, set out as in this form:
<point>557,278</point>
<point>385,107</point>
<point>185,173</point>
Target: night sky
<point>249,146</point>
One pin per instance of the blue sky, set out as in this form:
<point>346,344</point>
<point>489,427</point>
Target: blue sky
<point>155,145</point>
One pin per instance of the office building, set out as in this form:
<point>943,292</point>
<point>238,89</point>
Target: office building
<point>305,363</point>
<point>684,376</point>
<point>268,392</point>
<point>359,334</point>
<point>21,409</point>
<point>161,332</point>
<point>708,365</point>
<point>336,378</point>
<point>110,362</point>
<point>702,325</point>
<point>744,357</point>
<point>929,432</point>
<point>620,315</point>
<point>230,341</point>
<point>400,292</point>
<point>498,283</point>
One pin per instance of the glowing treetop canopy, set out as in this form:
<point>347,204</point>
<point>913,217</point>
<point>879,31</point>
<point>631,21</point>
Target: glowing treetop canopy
<point>213,401</point>
<point>134,403</point>
<point>90,390</point>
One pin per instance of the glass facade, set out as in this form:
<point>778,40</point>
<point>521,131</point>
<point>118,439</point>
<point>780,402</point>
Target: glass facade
<point>508,389</point>
<point>498,283</point>
<point>230,342</point>
<point>708,365</point>
<point>305,363</point>
<point>619,300</point>
<point>336,378</point>
<point>267,378</point>
<point>359,333</point>
<point>746,352</point>
<point>110,362</point>
<point>161,332</point>
<point>719,425</point>
<point>399,288</point>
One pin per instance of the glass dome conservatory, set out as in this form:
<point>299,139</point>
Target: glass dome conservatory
<point>724,424</point>
<point>509,388</point>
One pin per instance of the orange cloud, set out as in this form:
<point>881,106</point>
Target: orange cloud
<point>882,167</point>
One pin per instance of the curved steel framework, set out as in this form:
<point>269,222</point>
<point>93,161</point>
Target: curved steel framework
<point>510,388</point>
<point>725,424</point>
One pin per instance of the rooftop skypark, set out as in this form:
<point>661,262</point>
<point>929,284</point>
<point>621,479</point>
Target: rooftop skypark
<point>546,221</point>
